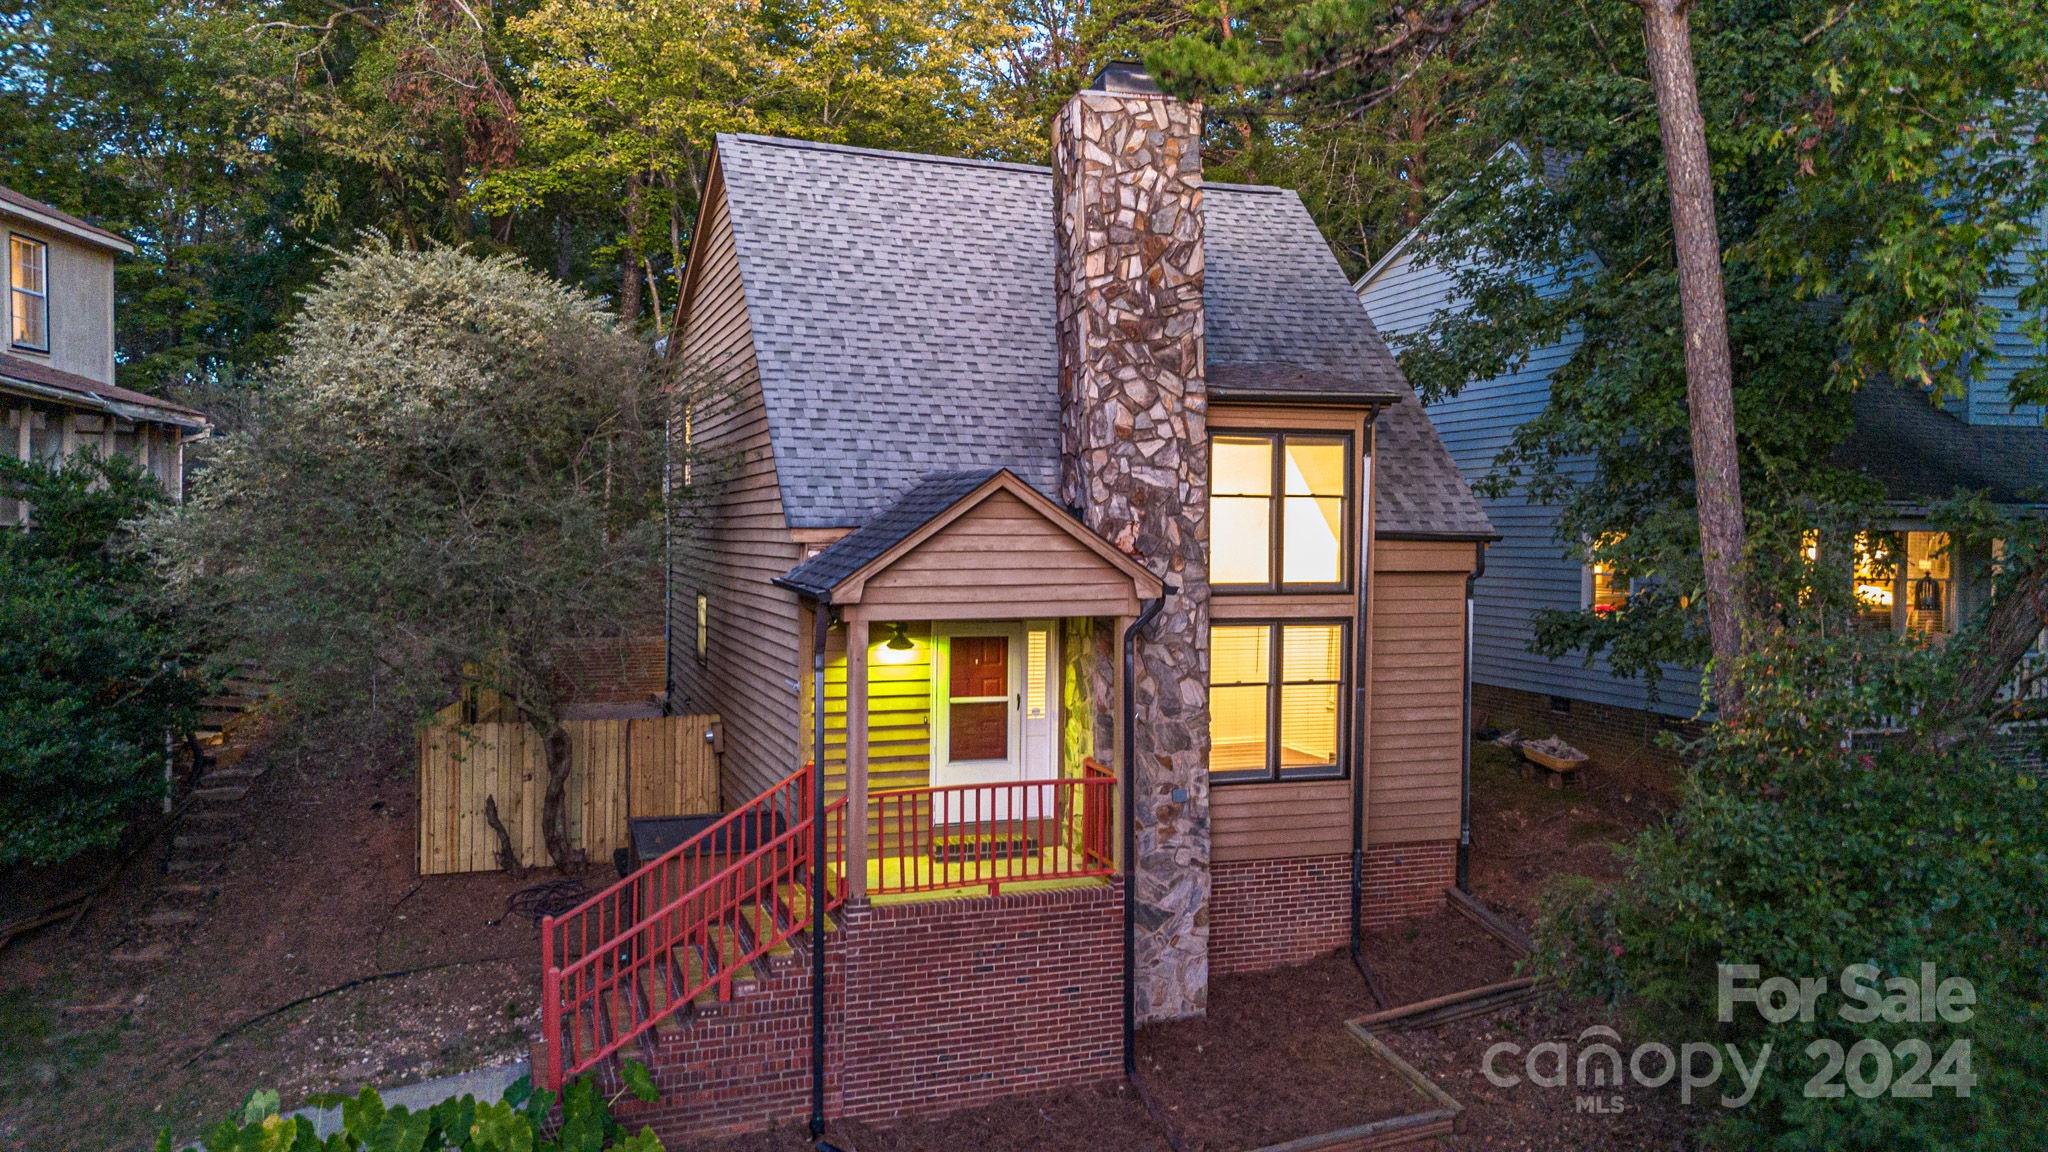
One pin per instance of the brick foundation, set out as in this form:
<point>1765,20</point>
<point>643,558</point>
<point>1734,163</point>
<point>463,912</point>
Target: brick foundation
<point>1615,735</point>
<point>1272,913</point>
<point>744,1064</point>
<point>962,1002</point>
<point>1407,880</point>
<point>958,1003</point>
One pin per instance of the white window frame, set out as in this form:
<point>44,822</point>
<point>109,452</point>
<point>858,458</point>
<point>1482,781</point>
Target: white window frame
<point>16,294</point>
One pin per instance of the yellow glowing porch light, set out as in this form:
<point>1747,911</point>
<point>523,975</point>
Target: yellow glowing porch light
<point>899,648</point>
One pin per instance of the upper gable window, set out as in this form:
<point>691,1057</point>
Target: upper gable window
<point>1279,511</point>
<point>28,264</point>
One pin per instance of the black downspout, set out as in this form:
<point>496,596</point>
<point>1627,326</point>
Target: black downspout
<point>1361,667</point>
<point>1465,744</point>
<point>822,623</point>
<point>1130,829</point>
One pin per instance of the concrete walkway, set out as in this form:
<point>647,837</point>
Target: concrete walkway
<point>483,1083</point>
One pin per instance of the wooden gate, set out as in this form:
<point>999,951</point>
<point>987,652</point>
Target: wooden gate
<point>649,766</point>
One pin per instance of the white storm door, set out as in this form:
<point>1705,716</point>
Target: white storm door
<point>994,719</point>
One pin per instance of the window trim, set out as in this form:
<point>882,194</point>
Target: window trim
<point>702,642</point>
<point>14,294</point>
<point>1274,772</point>
<point>1276,526</point>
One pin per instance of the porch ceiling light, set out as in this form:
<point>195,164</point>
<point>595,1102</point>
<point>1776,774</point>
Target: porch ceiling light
<point>899,647</point>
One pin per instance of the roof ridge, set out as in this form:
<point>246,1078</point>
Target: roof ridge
<point>884,153</point>
<point>963,161</point>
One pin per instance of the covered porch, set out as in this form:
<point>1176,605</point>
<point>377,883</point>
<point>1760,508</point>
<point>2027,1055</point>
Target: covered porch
<point>971,691</point>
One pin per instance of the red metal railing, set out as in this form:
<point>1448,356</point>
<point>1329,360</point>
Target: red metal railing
<point>681,925</point>
<point>989,835</point>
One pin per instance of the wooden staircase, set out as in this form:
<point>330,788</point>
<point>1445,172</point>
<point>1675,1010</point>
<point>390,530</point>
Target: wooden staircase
<point>694,927</point>
<point>240,698</point>
<point>654,990</point>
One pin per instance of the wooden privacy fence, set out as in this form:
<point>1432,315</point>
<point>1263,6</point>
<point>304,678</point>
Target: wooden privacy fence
<point>646,766</point>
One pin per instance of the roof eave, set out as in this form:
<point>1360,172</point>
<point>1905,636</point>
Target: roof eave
<point>84,234</point>
<point>1306,399</point>
<point>147,414</point>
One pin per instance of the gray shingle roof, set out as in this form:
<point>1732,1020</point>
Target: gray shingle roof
<point>817,576</point>
<point>1922,455</point>
<point>902,315</point>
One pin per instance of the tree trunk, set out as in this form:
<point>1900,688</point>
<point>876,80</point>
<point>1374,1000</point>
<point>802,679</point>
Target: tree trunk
<point>1709,373</point>
<point>2015,623</point>
<point>629,260</point>
<point>554,809</point>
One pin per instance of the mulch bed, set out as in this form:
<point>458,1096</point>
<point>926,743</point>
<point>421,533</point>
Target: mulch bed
<point>1436,955</point>
<point>1528,1118</point>
<point>1272,1062</point>
<point>1109,1118</point>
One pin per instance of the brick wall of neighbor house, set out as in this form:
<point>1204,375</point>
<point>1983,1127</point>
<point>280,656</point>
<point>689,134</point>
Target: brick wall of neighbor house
<point>961,1002</point>
<point>1616,735</point>
<point>629,670</point>
<point>1272,913</point>
<point>1407,880</point>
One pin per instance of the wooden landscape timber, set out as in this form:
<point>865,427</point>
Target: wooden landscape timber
<point>470,774</point>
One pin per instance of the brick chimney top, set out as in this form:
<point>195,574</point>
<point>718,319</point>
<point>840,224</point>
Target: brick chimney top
<point>1125,76</point>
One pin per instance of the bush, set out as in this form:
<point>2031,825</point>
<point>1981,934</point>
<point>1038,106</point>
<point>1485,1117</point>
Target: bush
<point>1800,855</point>
<point>517,1123</point>
<point>91,679</point>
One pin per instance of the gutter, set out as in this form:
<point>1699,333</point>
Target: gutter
<point>132,412</point>
<point>1130,826</point>
<point>1465,743</point>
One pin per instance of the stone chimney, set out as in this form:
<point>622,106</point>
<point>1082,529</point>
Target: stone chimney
<point>1127,195</point>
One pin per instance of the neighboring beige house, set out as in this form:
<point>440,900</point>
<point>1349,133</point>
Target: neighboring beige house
<point>57,366</point>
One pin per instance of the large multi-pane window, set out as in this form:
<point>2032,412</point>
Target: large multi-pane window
<point>28,304</point>
<point>1899,581</point>
<point>1276,700</point>
<point>1279,511</point>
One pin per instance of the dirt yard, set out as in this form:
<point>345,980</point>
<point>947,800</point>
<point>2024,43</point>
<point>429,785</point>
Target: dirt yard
<point>1525,833</point>
<point>316,891</point>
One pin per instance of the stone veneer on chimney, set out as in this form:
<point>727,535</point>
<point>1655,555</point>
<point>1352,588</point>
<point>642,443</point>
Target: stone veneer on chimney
<point>1127,187</point>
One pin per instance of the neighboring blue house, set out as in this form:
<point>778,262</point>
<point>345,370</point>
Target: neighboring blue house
<point>1919,452</point>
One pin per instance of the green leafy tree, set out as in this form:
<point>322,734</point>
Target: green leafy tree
<point>452,474</point>
<point>621,102</point>
<point>93,670</point>
<point>1802,852</point>
<point>1871,186</point>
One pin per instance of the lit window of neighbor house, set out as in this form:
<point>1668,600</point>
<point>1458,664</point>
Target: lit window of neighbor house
<point>28,283</point>
<point>1604,590</point>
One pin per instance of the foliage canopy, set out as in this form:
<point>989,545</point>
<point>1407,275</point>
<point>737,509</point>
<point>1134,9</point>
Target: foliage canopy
<point>95,673</point>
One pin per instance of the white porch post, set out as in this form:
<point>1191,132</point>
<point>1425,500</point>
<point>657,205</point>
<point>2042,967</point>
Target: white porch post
<point>856,819</point>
